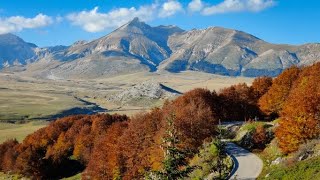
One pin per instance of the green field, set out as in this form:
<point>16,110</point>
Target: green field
<point>19,131</point>
<point>18,105</point>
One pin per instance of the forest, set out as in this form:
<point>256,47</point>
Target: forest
<point>104,146</point>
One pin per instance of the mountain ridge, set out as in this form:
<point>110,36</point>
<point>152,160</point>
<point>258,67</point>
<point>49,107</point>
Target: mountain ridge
<point>136,46</point>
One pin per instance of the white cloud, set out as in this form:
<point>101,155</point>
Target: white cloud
<point>170,8</point>
<point>228,6</point>
<point>195,5</point>
<point>94,21</point>
<point>18,23</point>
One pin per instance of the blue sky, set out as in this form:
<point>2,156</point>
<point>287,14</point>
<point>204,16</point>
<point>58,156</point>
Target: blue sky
<point>48,23</point>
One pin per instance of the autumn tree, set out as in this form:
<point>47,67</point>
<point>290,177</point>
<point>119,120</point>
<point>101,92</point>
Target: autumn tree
<point>292,132</point>
<point>304,98</point>
<point>59,150</point>
<point>105,161</point>
<point>260,137</point>
<point>140,144</point>
<point>8,154</point>
<point>197,113</point>
<point>260,86</point>
<point>272,102</point>
<point>300,114</point>
<point>239,103</point>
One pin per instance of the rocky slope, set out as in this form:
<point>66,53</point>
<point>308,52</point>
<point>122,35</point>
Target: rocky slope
<point>146,90</point>
<point>136,47</point>
<point>15,51</point>
<point>230,52</point>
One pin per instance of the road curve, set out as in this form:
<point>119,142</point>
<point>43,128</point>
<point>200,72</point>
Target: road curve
<point>246,164</point>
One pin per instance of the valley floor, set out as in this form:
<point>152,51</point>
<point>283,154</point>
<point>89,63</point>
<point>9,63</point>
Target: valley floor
<point>27,98</point>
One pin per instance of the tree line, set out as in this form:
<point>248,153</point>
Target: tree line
<point>104,146</point>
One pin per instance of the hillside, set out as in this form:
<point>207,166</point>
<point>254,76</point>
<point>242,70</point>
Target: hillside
<point>15,51</point>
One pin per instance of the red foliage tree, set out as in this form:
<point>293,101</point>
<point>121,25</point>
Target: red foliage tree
<point>260,137</point>
<point>105,161</point>
<point>239,103</point>
<point>197,114</point>
<point>8,154</point>
<point>140,144</point>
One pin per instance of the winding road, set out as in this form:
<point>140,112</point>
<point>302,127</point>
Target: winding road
<point>246,164</point>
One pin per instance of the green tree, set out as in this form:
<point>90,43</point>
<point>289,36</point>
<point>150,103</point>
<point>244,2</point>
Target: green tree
<point>175,165</point>
<point>221,167</point>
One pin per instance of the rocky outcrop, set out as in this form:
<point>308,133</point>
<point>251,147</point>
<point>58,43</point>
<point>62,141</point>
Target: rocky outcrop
<point>146,90</point>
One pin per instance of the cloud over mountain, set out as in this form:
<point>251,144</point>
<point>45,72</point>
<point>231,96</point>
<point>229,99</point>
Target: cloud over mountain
<point>195,5</point>
<point>170,8</point>
<point>95,21</point>
<point>18,23</point>
<point>229,6</point>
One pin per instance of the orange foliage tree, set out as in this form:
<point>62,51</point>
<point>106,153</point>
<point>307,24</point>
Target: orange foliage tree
<point>292,132</point>
<point>105,161</point>
<point>272,102</point>
<point>301,112</point>
<point>260,86</point>
<point>140,144</point>
<point>8,154</point>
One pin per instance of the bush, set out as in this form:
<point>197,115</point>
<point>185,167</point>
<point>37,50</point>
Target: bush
<point>255,135</point>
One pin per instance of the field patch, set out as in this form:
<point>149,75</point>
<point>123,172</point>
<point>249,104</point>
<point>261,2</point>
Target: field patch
<point>19,131</point>
<point>26,105</point>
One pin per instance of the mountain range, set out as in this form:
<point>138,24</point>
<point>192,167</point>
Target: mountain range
<point>136,47</point>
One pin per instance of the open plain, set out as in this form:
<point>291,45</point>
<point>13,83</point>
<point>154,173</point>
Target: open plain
<point>26,98</point>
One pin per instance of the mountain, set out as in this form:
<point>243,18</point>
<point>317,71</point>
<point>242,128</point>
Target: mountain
<point>15,51</point>
<point>230,52</point>
<point>136,47</point>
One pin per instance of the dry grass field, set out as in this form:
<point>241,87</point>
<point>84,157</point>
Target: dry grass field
<point>25,98</point>
<point>19,131</point>
<point>29,98</point>
<point>20,105</point>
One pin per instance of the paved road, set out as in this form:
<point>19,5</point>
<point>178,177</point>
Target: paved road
<point>247,164</point>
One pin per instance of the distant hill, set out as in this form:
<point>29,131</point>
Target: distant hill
<point>136,47</point>
<point>14,51</point>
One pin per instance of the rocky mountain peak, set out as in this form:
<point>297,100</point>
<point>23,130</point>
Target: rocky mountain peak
<point>135,26</point>
<point>12,39</point>
<point>135,20</point>
<point>14,50</point>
